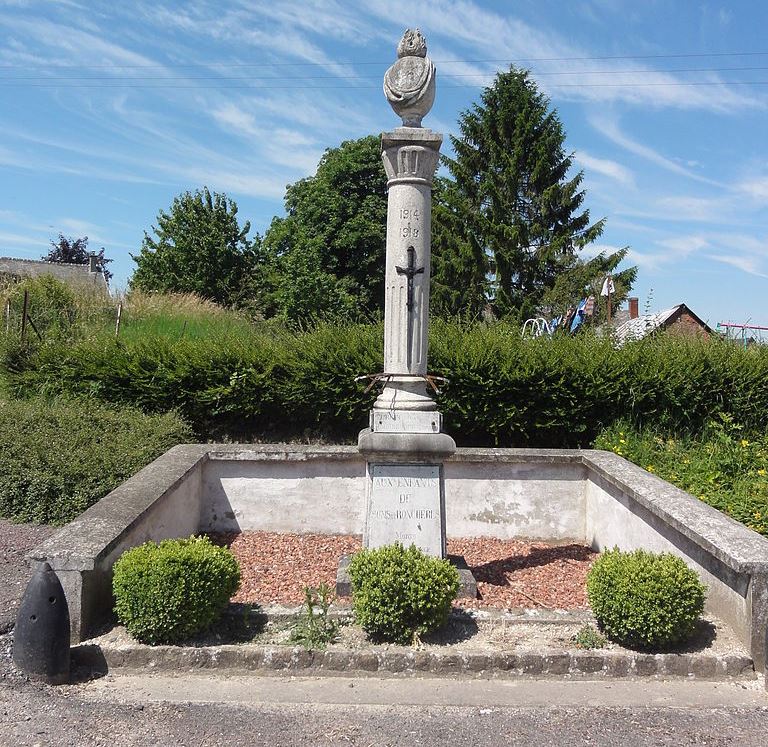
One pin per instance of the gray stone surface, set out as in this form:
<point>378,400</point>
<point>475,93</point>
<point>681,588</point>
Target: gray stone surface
<point>589,496</point>
<point>406,421</point>
<point>408,447</point>
<point>409,84</point>
<point>554,664</point>
<point>405,505</point>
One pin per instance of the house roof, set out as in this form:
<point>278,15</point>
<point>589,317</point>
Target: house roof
<point>642,326</point>
<point>66,272</point>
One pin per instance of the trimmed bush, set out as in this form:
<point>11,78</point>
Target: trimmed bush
<point>168,592</point>
<point>245,381</point>
<point>59,457</point>
<point>644,599</point>
<point>400,593</point>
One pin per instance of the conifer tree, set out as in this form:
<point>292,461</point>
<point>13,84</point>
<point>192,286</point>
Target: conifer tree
<point>519,214</point>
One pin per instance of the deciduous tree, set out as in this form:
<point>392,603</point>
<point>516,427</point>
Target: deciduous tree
<point>67,250</point>
<point>199,247</point>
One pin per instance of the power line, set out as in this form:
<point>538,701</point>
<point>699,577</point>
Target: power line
<point>118,84</point>
<point>359,77</point>
<point>509,60</point>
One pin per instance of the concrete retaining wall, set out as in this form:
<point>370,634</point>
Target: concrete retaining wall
<point>556,495</point>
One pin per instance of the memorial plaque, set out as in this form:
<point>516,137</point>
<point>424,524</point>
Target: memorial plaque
<point>406,421</point>
<point>405,504</point>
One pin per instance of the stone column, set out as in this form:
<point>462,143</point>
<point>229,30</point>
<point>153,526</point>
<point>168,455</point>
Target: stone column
<point>410,156</point>
<point>405,446</point>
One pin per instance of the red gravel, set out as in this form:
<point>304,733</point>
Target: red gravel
<point>510,573</point>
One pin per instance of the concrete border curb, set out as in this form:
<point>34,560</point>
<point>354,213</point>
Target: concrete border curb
<point>411,662</point>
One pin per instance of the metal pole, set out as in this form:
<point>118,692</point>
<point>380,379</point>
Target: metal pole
<point>7,316</point>
<point>119,317</point>
<point>24,316</point>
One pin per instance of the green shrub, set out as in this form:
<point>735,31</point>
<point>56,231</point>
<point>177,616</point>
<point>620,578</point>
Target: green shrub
<point>722,466</point>
<point>168,592</point>
<point>400,593</point>
<point>59,457</point>
<point>644,599</point>
<point>231,378</point>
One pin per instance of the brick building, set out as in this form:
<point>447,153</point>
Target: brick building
<point>678,320</point>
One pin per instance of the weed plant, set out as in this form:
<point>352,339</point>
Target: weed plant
<point>724,466</point>
<point>315,629</point>
<point>588,638</point>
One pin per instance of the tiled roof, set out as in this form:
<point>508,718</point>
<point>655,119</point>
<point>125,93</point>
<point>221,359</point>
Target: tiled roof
<point>636,329</point>
<point>61,270</point>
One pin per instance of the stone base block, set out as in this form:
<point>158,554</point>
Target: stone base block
<point>406,447</point>
<point>467,582</point>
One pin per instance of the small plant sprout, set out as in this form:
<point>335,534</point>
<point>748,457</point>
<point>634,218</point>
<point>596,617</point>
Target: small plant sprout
<point>315,629</point>
<point>588,637</point>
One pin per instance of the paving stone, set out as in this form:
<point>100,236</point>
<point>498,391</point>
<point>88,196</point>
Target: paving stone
<point>556,664</point>
<point>646,665</point>
<point>587,663</point>
<point>477,662</point>
<point>530,663</point>
<point>366,661</point>
<point>617,664</point>
<point>276,658</point>
<point>394,661</point>
<point>303,658</point>
<point>337,661</point>
<point>422,661</point>
<point>446,663</point>
<point>704,665</point>
<point>676,664</point>
<point>737,665</point>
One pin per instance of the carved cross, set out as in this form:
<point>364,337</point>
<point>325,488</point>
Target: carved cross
<point>409,272</point>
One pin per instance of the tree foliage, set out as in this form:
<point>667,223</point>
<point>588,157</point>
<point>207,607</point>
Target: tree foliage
<point>511,213</point>
<point>67,250</point>
<point>327,253</point>
<point>581,278</point>
<point>199,247</point>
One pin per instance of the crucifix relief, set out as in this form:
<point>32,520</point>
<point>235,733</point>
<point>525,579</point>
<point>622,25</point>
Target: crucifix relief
<point>410,272</point>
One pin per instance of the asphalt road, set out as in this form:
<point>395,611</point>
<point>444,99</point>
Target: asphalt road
<point>202,711</point>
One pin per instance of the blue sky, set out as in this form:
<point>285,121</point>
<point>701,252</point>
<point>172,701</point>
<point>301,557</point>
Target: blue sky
<point>109,110</point>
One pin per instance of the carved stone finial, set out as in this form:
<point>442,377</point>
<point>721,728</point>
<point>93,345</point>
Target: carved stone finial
<point>413,44</point>
<point>409,84</point>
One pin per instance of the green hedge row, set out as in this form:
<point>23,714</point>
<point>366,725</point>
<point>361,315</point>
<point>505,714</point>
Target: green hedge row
<point>59,457</point>
<point>272,383</point>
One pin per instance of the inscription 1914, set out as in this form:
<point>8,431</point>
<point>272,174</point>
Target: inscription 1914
<point>410,230</point>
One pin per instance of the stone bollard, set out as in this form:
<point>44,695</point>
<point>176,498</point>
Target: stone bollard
<point>41,635</point>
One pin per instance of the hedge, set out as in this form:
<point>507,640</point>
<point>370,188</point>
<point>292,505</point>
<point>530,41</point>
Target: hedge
<point>59,457</point>
<point>504,391</point>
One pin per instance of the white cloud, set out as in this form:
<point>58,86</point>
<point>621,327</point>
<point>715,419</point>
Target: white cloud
<point>756,189</point>
<point>604,166</point>
<point>610,129</point>
<point>749,265</point>
<point>559,65</point>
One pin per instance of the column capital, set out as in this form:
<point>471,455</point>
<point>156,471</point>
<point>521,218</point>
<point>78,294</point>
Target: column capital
<point>410,154</point>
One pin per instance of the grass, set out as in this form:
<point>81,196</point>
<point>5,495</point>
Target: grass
<point>724,466</point>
